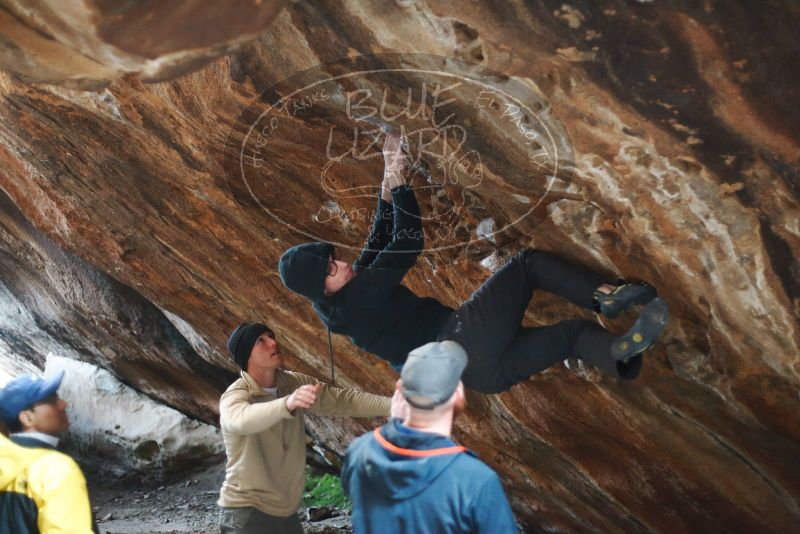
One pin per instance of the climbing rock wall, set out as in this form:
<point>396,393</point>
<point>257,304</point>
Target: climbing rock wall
<point>88,43</point>
<point>680,169</point>
<point>120,433</point>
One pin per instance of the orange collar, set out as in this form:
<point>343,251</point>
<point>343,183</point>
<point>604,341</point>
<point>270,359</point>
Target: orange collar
<point>415,453</point>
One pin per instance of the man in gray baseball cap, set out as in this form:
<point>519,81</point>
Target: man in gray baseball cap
<point>432,373</point>
<point>409,475</point>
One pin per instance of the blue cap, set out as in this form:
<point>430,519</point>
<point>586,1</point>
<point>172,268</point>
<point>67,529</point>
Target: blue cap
<point>24,391</point>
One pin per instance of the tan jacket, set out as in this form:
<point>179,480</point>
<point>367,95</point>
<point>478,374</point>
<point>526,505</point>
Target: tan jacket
<point>266,444</point>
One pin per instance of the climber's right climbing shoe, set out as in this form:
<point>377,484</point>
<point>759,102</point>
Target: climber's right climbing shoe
<point>612,304</point>
<point>648,326</point>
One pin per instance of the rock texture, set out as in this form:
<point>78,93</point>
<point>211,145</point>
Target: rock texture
<point>53,301</point>
<point>119,433</point>
<point>681,170</point>
<point>87,44</point>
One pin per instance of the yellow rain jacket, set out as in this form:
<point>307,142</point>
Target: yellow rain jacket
<point>41,491</point>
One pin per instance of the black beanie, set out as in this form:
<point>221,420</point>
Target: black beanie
<point>241,341</point>
<point>303,269</point>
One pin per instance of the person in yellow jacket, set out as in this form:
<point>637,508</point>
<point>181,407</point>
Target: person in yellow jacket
<point>41,490</point>
<point>261,417</point>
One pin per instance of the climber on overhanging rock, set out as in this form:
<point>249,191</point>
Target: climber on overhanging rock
<point>369,303</point>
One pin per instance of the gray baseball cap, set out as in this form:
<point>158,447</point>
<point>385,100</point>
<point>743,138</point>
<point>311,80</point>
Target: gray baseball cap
<point>432,372</point>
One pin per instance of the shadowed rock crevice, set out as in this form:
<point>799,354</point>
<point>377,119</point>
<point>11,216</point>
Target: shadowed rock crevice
<point>783,261</point>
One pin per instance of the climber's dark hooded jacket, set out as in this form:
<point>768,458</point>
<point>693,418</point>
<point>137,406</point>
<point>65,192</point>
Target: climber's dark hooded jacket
<point>402,481</point>
<point>377,312</point>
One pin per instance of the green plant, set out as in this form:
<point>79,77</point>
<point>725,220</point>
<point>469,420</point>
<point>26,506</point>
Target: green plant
<point>324,490</point>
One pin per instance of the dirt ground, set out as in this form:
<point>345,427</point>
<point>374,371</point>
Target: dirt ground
<point>185,506</point>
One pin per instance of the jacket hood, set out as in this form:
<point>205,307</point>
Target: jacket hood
<point>303,269</point>
<point>14,459</point>
<point>408,461</point>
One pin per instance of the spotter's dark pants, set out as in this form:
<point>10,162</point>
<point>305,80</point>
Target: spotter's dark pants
<point>502,352</point>
<point>249,520</point>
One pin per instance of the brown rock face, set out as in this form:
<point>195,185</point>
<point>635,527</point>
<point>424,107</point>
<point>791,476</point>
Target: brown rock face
<point>86,44</point>
<point>652,140</point>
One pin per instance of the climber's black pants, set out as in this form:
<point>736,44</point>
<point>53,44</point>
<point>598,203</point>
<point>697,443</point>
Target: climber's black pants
<point>502,352</point>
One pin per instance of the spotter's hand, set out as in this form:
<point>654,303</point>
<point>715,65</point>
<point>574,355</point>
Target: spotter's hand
<point>399,406</point>
<point>303,397</point>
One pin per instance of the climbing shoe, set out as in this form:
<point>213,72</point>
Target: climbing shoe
<point>612,304</point>
<point>644,332</point>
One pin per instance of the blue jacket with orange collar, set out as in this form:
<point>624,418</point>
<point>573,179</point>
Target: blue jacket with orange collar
<point>402,480</point>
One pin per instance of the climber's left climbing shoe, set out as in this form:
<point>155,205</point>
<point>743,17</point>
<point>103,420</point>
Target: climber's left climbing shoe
<point>612,304</point>
<point>648,326</point>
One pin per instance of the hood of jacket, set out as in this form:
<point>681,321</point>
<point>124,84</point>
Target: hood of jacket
<point>14,459</point>
<point>410,464</point>
<point>303,269</point>
<point>362,299</point>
